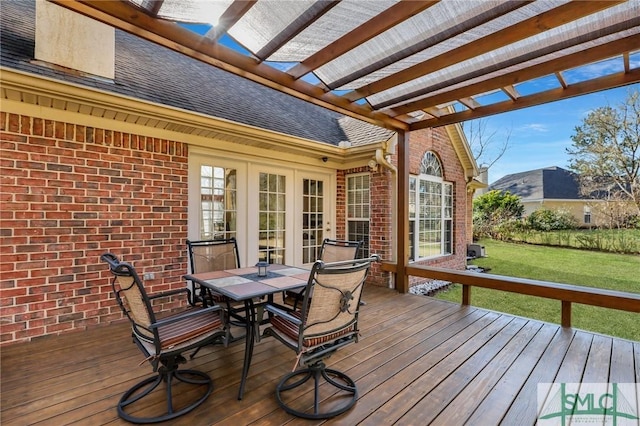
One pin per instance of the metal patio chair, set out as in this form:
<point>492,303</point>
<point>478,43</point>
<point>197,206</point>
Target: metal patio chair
<point>215,255</point>
<point>330,251</point>
<point>207,256</point>
<point>323,325</point>
<point>163,340</point>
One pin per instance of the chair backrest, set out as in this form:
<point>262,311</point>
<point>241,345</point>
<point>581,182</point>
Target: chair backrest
<point>213,255</point>
<point>335,304</point>
<point>337,250</point>
<point>131,296</point>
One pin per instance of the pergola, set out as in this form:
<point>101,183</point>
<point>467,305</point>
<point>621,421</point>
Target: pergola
<point>404,65</point>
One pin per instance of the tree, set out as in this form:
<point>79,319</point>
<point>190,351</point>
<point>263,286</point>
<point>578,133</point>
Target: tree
<point>487,147</point>
<point>606,153</point>
<point>493,210</point>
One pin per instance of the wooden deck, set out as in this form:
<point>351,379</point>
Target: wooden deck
<point>420,361</point>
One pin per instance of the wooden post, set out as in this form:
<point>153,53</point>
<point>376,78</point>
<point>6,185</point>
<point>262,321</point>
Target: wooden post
<point>402,228</point>
<point>466,294</point>
<point>566,314</point>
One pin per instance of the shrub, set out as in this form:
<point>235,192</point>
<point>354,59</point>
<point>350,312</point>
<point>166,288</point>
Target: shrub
<point>632,222</point>
<point>551,220</point>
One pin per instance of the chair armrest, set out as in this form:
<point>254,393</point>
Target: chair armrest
<point>283,313</point>
<point>184,315</point>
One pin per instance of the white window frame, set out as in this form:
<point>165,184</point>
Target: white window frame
<point>329,180</point>
<point>352,217</point>
<point>587,217</point>
<point>193,215</point>
<point>446,210</point>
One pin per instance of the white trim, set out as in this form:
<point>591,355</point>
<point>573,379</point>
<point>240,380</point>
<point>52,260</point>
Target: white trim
<point>193,210</point>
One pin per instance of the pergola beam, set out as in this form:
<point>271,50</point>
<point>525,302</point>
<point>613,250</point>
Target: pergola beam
<point>313,13</point>
<point>553,18</point>
<point>230,16</point>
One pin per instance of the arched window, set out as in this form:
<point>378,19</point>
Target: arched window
<point>430,211</point>
<point>430,165</point>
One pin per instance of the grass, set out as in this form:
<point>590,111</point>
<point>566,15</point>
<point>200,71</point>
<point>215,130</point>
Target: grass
<point>580,267</point>
<point>610,240</point>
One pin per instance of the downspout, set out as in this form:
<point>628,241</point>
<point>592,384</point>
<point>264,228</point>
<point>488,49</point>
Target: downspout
<point>382,158</point>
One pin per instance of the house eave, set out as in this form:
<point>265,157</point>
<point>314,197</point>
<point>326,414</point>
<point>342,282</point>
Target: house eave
<point>51,99</point>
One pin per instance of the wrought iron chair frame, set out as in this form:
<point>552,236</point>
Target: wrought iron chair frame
<point>314,344</point>
<point>151,339</point>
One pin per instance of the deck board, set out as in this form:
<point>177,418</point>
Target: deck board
<point>470,395</point>
<point>500,397</point>
<point>419,361</point>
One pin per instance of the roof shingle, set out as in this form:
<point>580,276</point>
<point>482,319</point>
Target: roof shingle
<point>148,71</point>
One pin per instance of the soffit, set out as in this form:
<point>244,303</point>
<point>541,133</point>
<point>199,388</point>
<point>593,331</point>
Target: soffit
<point>129,114</point>
<point>400,64</point>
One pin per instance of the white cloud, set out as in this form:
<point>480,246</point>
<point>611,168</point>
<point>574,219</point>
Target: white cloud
<point>536,127</point>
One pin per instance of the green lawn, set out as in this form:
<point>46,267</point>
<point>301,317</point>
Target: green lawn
<point>579,267</point>
<point>606,240</point>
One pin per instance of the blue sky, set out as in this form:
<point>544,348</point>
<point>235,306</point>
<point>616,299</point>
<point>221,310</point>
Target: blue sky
<point>540,135</point>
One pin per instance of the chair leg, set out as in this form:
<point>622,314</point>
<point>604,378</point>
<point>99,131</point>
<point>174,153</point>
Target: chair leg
<point>166,374</point>
<point>343,387</point>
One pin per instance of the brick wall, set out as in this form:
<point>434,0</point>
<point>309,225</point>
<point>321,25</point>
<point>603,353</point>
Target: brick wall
<point>69,194</point>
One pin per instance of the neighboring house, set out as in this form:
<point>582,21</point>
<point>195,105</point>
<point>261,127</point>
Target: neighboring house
<point>103,150</point>
<point>552,188</point>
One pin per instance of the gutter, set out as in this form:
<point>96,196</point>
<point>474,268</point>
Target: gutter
<point>382,155</point>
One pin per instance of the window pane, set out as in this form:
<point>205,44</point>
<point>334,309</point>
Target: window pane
<point>312,220</point>
<point>271,217</point>
<point>358,210</point>
<point>359,231</point>
<point>432,235</point>
<point>217,202</point>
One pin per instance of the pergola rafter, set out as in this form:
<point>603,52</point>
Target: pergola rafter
<point>392,70</point>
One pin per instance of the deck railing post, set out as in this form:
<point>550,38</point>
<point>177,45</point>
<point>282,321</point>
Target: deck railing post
<point>466,294</point>
<point>566,314</point>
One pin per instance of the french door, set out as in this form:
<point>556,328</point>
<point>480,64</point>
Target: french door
<point>277,214</point>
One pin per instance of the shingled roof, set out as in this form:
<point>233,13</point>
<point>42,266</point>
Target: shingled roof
<point>547,183</point>
<point>147,71</point>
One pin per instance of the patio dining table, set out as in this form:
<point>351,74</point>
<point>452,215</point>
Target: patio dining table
<point>245,285</point>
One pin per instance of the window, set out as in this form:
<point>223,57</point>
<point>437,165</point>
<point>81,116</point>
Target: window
<point>358,211</point>
<point>587,215</point>
<point>430,211</point>
<point>218,208</point>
